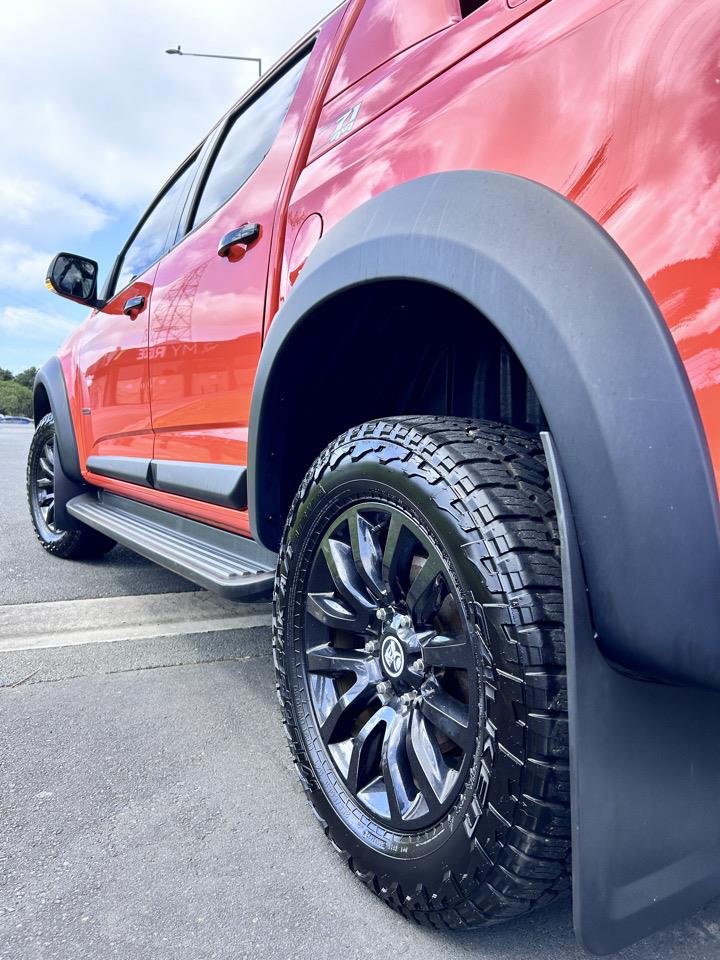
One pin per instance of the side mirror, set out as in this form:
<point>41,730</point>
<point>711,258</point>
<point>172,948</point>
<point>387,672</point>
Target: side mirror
<point>74,278</point>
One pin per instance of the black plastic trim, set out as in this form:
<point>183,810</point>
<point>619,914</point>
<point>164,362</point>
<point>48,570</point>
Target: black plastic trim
<point>131,469</point>
<point>644,779</point>
<point>220,483</point>
<point>52,379</point>
<point>611,385</point>
<point>224,484</point>
<point>65,490</point>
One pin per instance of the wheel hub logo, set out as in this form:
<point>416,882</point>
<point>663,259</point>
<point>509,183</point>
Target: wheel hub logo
<point>393,657</point>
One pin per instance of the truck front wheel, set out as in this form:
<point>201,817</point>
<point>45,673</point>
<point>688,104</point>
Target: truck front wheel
<point>419,648</point>
<point>40,481</point>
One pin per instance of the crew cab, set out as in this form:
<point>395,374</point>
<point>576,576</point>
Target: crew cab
<point>423,339</point>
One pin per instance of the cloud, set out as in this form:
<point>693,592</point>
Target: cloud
<point>25,202</point>
<point>104,113</point>
<point>35,324</point>
<point>21,267</point>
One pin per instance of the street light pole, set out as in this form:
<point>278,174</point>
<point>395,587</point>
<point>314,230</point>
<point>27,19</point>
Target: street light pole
<point>217,56</point>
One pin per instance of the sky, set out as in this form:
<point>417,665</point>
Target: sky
<point>94,116</point>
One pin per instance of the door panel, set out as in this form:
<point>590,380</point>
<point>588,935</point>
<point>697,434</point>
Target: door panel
<point>207,311</point>
<point>113,364</point>
<point>204,343</point>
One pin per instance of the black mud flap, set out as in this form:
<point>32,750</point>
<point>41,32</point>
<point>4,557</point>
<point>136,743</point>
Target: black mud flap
<point>65,489</point>
<point>644,779</point>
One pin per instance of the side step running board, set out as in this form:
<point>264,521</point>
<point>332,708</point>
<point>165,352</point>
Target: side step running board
<point>233,566</point>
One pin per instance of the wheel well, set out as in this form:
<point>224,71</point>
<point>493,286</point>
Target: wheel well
<point>41,403</point>
<point>384,349</point>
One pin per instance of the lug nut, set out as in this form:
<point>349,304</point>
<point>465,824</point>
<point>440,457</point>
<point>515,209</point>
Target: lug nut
<point>372,646</point>
<point>383,688</point>
<point>419,666</point>
<point>381,613</point>
<point>407,698</point>
<point>406,622</point>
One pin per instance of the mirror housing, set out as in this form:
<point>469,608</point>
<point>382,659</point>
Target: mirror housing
<point>74,278</point>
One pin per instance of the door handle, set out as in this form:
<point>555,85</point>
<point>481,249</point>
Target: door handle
<point>245,235</point>
<point>133,306</point>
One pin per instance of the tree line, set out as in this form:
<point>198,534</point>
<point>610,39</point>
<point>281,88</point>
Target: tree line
<point>16,392</point>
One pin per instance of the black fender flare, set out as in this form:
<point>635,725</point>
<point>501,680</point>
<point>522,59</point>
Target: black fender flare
<point>52,379</point>
<point>600,357</point>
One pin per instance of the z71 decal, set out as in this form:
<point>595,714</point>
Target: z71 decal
<point>345,123</point>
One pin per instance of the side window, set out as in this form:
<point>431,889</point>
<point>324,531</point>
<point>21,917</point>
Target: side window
<point>151,240</point>
<point>247,138</point>
<point>470,6</point>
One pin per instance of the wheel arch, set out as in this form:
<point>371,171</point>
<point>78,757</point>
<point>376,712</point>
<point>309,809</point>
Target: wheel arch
<point>50,395</point>
<point>41,403</point>
<point>557,289</point>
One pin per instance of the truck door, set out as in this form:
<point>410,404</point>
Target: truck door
<point>207,312</point>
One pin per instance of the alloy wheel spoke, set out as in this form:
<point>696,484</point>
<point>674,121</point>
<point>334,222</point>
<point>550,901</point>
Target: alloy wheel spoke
<point>331,612</point>
<point>348,583</point>
<point>365,754</point>
<point>425,594</point>
<point>430,771</point>
<point>327,659</point>
<point>447,715</point>
<point>346,709</point>
<point>46,467</point>
<point>367,554</point>
<point>397,553</point>
<point>396,770</point>
<point>442,651</point>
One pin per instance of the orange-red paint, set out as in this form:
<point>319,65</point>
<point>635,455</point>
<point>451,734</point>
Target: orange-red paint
<point>613,103</point>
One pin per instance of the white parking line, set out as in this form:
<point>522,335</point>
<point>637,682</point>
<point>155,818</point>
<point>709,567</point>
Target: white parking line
<point>67,623</point>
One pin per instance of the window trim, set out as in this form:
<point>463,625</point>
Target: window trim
<point>218,135</point>
<point>109,291</point>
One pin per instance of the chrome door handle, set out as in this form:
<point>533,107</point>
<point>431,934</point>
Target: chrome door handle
<point>245,235</point>
<point>133,306</point>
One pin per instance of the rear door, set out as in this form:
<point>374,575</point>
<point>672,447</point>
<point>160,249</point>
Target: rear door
<point>207,312</point>
<point>113,353</point>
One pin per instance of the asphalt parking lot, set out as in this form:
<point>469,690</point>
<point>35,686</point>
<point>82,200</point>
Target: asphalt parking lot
<point>148,807</point>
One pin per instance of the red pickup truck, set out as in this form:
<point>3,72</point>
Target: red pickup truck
<point>426,333</point>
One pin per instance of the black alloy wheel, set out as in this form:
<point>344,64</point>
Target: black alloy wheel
<point>42,471</point>
<point>44,485</point>
<point>389,658</point>
<point>419,650</point>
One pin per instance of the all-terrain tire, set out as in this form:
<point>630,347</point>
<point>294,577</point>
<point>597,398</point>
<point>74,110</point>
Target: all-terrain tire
<point>481,491</point>
<point>82,543</point>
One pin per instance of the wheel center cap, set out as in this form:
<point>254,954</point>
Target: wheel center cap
<point>393,656</point>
